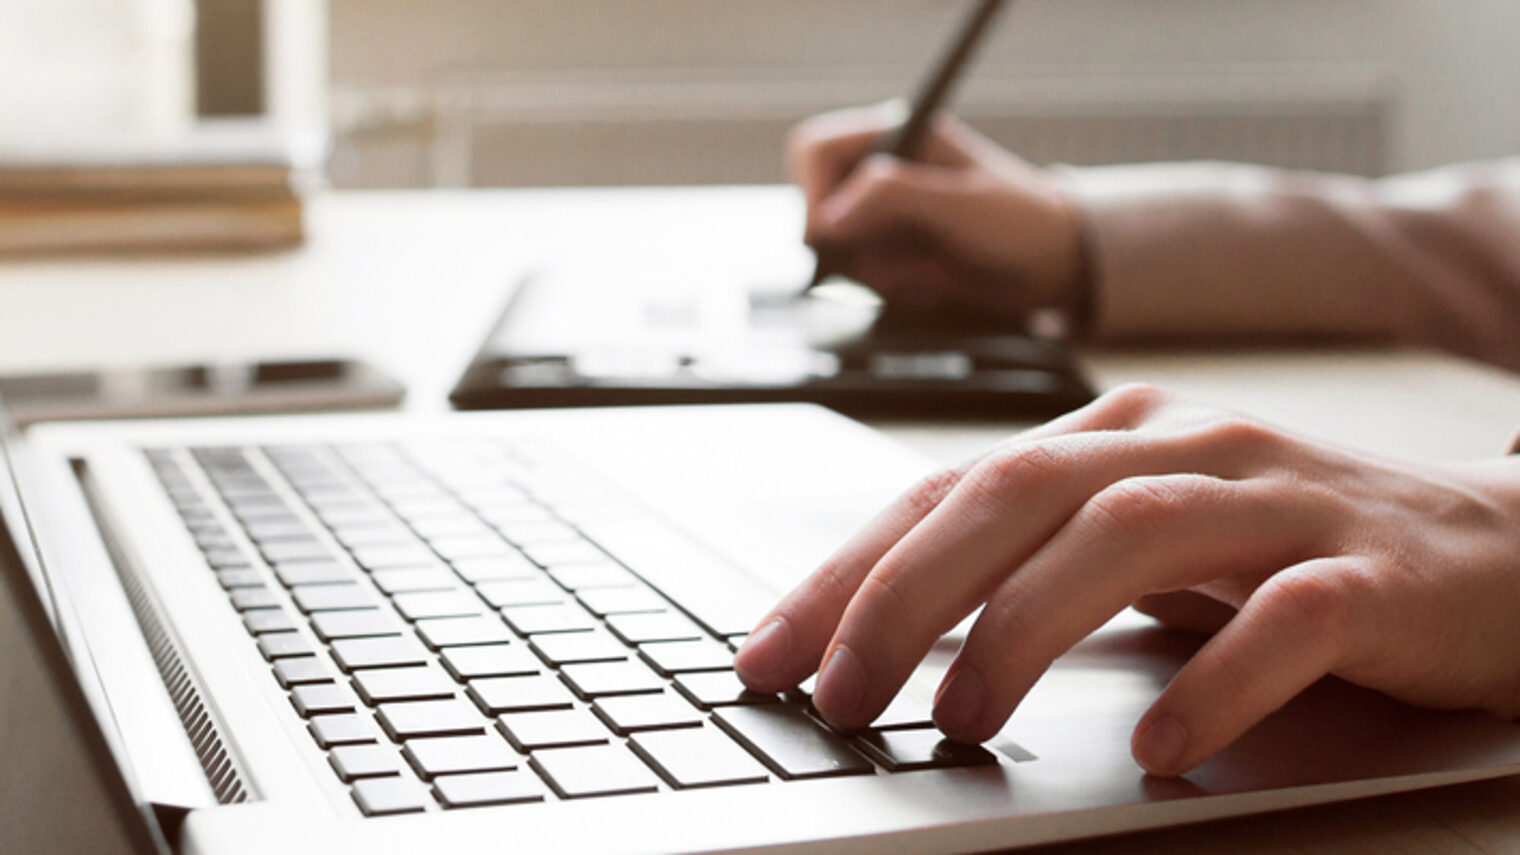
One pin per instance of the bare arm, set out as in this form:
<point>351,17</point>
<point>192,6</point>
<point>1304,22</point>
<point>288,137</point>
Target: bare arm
<point>1211,250</point>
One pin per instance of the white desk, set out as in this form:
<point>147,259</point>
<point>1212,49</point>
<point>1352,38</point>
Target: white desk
<point>412,280</point>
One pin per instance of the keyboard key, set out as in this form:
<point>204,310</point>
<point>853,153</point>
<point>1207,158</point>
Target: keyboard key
<point>697,757</point>
<point>411,719</point>
<point>344,515</point>
<point>281,645</point>
<point>682,657</point>
<point>365,623</point>
<point>213,539</point>
<point>461,547</point>
<point>248,599</point>
<point>268,620</point>
<point>631,713</point>
<point>382,557</point>
<point>385,796</point>
<point>223,558</point>
<point>560,553</point>
<point>324,572</point>
<point>497,695</point>
<point>599,679</point>
<point>379,685</point>
<point>353,654</point>
<point>260,509</point>
<point>532,620</point>
<point>605,574</point>
<point>902,750</point>
<point>616,601</point>
<point>561,648</point>
<point>400,581</point>
<point>537,591</point>
<point>530,731</point>
<point>297,672</point>
<point>439,633</point>
<point>905,711</point>
<point>309,549</point>
<point>437,604</point>
<point>450,755</point>
<point>601,770</point>
<point>239,577</point>
<point>492,660</point>
<point>723,601</point>
<point>270,529</point>
<point>341,729</point>
<point>352,762</point>
<point>505,513</point>
<point>475,570</point>
<point>791,743</point>
<point>415,502</point>
<point>442,528</point>
<point>654,626</point>
<point>540,531</point>
<point>711,689</point>
<point>372,531</point>
<point>488,788</point>
<point>320,699</point>
<point>331,598</point>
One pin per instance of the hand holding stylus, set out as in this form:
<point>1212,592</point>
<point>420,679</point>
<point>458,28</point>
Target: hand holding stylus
<point>968,227</point>
<point>905,141</point>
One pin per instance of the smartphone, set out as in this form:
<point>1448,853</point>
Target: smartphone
<point>199,390</point>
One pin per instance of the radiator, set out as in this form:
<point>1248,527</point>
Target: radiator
<point>681,127</point>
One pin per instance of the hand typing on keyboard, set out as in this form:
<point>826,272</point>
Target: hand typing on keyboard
<point>1301,559</point>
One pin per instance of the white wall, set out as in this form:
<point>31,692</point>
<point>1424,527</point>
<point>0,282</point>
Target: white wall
<point>85,67</point>
<point>1451,69</point>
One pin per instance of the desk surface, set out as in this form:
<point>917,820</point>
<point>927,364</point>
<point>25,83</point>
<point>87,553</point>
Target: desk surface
<point>412,280</point>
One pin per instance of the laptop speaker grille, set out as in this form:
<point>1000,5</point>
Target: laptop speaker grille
<point>221,769</point>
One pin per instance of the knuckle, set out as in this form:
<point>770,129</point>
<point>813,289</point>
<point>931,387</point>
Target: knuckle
<point>831,581</point>
<point>1132,401</point>
<point>1316,602</point>
<point>1137,506</point>
<point>880,592</point>
<point>926,495</point>
<point>882,175</point>
<point>1236,433</point>
<point>1138,394</point>
<point>1005,621</point>
<point>1026,471</point>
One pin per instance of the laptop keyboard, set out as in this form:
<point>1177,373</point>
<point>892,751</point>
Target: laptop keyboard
<point>479,624</point>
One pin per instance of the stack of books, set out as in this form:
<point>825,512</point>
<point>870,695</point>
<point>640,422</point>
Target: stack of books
<point>221,187</point>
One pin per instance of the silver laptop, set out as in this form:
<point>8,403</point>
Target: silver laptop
<point>514,631</point>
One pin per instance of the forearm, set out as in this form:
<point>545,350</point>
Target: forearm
<point>1223,250</point>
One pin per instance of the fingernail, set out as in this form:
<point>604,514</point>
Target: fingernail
<point>1160,746</point>
<point>960,702</point>
<point>763,653</point>
<point>841,686</point>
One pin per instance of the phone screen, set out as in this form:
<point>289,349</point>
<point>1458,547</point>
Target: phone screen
<point>199,390</point>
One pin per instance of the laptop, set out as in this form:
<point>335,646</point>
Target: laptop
<point>512,630</point>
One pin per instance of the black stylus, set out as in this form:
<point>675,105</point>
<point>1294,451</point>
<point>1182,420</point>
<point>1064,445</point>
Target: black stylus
<point>906,141</point>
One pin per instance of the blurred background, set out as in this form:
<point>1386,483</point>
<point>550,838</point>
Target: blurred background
<point>529,92</point>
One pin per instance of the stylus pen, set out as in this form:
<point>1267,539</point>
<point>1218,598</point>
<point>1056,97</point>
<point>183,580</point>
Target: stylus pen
<point>906,141</point>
